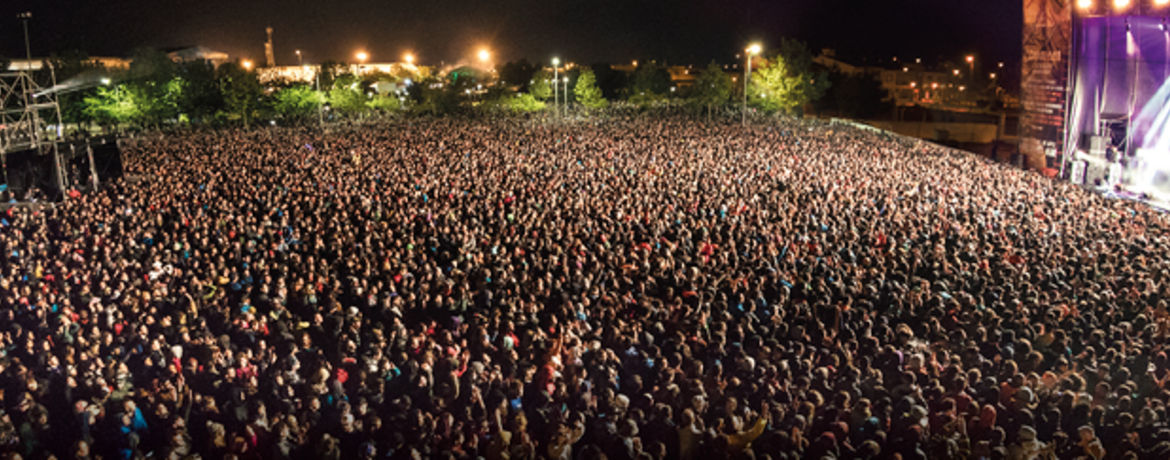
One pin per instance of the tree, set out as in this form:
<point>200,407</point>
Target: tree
<point>518,73</point>
<point>436,101</point>
<point>712,88</point>
<point>347,97</point>
<point>587,92</point>
<point>71,65</point>
<point>383,103</point>
<point>611,82</point>
<point>649,82</point>
<point>113,105</point>
<point>331,71</point>
<point>298,102</point>
<point>787,82</point>
<point>539,86</point>
<point>154,87</point>
<point>858,96</point>
<point>524,103</point>
<point>201,98</point>
<point>242,93</point>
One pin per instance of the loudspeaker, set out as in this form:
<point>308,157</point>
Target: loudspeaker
<point>1095,145</point>
<point>107,159</point>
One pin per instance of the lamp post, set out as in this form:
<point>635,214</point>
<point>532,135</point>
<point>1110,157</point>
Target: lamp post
<point>24,17</point>
<point>971,73</point>
<point>565,98</point>
<point>747,72</point>
<point>556,62</point>
<point>300,61</point>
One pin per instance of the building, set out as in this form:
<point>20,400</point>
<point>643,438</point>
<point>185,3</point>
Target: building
<point>198,53</point>
<point>308,73</point>
<point>39,63</point>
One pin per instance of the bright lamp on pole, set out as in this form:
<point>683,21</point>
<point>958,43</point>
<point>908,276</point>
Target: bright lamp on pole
<point>484,55</point>
<point>409,58</point>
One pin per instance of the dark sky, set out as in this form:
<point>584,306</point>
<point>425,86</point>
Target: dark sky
<point>584,31</point>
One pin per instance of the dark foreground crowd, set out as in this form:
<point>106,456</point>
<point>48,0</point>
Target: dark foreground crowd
<point>628,290</point>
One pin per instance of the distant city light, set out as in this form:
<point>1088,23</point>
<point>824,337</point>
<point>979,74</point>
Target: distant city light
<point>905,69</point>
<point>956,72</point>
<point>247,65</point>
<point>1001,64</point>
<point>962,88</point>
<point>913,84</point>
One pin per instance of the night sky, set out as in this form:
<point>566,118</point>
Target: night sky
<point>677,31</point>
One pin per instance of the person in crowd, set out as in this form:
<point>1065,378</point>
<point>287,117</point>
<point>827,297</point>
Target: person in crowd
<point>638,288</point>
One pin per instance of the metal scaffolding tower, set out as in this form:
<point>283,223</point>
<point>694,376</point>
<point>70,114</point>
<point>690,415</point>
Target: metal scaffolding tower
<point>24,109</point>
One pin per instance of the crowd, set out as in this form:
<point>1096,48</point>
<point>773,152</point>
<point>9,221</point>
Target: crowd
<point>633,289</point>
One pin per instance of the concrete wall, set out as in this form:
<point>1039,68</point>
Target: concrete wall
<point>959,132</point>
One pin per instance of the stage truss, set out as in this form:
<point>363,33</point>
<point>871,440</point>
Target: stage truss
<point>24,107</point>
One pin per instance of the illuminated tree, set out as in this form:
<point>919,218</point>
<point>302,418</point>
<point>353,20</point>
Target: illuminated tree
<point>113,106</point>
<point>347,97</point>
<point>383,103</point>
<point>524,103</point>
<point>787,82</point>
<point>587,92</point>
<point>297,102</point>
<point>539,86</point>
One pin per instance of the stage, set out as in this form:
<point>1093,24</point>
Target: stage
<point>1117,117</point>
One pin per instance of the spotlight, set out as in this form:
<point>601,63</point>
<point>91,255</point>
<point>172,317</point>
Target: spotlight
<point>1119,4</point>
<point>1161,2</point>
<point>1085,4</point>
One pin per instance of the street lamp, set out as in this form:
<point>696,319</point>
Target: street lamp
<point>556,62</point>
<point>971,75</point>
<point>300,62</point>
<point>247,65</point>
<point>105,81</point>
<point>409,58</point>
<point>484,55</point>
<point>361,56</point>
<point>752,50</point>
<point>565,98</point>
